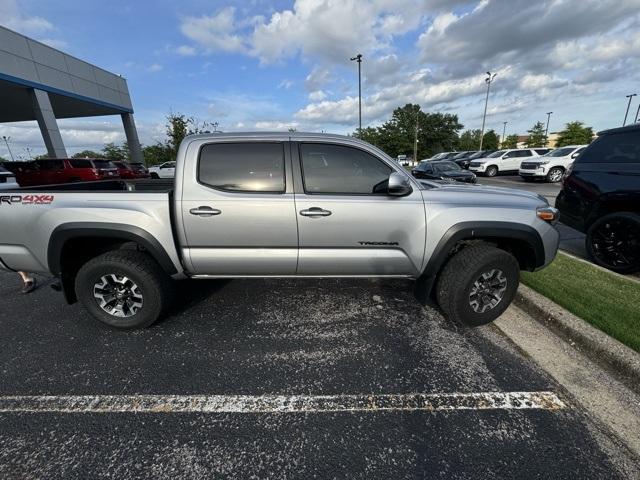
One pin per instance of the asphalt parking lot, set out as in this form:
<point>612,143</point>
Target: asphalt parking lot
<point>279,379</point>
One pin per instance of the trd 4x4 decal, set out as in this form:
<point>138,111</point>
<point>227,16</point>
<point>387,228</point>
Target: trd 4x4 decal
<point>26,199</point>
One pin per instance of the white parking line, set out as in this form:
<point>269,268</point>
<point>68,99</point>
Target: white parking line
<point>431,402</point>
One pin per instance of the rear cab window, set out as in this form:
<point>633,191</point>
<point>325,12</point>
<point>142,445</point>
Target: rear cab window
<point>103,164</point>
<point>75,163</point>
<point>252,167</point>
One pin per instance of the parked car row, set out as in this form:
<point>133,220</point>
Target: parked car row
<point>530,163</point>
<point>71,170</point>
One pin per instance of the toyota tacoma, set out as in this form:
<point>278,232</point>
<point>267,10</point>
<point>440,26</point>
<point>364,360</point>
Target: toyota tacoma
<point>276,205</point>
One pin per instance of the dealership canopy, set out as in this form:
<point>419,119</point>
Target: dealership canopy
<point>40,83</point>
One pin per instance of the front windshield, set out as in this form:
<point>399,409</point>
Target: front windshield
<point>460,155</point>
<point>446,166</point>
<point>499,153</point>
<point>560,152</point>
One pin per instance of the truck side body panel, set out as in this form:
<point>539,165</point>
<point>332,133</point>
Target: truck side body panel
<point>28,222</point>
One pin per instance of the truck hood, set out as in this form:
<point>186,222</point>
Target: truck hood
<point>468,189</point>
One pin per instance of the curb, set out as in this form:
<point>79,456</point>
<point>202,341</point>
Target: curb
<point>597,345</point>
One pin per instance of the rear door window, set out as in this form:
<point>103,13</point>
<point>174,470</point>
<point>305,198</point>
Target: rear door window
<point>243,167</point>
<point>621,147</point>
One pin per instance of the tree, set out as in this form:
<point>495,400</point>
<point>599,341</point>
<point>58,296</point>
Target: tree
<point>470,140</point>
<point>87,154</point>
<point>490,140</point>
<point>157,154</point>
<point>537,137</point>
<point>111,151</point>
<point>179,126</point>
<point>436,132</point>
<point>575,133</point>
<point>510,142</point>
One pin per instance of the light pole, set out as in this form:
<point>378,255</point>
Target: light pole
<point>415,142</point>
<point>546,131</point>
<point>504,132</point>
<point>6,140</point>
<point>488,81</point>
<point>358,58</point>
<point>638,114</point>
<point>28,149</point>
<point>628,105</point>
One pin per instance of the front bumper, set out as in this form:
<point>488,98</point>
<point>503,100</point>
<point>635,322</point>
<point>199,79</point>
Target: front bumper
<point>533,173</point>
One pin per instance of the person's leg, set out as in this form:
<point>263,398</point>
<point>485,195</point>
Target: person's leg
<point>29,283</point>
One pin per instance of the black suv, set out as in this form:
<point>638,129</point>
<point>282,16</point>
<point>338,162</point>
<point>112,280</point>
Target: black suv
<point>601,197</point>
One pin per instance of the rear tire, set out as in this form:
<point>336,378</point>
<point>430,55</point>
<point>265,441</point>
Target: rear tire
<point>154,176</point>
<point>477,284</point>
<point>124,289</point>
<point>613,242</point>
<point>491,171</point>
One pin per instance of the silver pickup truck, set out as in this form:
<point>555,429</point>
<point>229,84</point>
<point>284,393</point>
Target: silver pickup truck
<point>276,205</point>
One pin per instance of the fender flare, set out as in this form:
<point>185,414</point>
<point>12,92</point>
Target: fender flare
<point>470,231</point>
<point>69,231</point>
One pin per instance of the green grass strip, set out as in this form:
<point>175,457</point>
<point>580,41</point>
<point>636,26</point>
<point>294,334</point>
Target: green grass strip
<point>608,302</point>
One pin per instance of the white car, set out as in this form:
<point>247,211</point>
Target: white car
<point>552,166</point>
<point>164,170</point>
<point>7,180</point>
<point>502,161</point>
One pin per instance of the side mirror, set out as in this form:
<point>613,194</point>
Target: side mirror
<point>399,185</point>
<point>575,154</point>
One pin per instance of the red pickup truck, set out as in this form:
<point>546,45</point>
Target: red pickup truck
<point>64,170</point>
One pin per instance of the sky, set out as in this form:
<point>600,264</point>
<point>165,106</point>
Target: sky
<point>274,65</point>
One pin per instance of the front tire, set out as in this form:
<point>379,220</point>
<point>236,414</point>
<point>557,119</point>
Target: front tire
<point>477,284</point>
<point>124,289</point>
<point>491,171</point>
<point>555,174</point>
<point>613,242</point>
<point>155,176</point>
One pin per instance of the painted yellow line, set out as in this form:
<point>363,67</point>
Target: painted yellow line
<point>431,402</point>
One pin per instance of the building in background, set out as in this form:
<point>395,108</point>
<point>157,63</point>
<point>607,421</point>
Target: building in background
<point>40,83</point>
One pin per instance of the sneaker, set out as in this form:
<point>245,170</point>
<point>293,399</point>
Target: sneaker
<point>29,286</point>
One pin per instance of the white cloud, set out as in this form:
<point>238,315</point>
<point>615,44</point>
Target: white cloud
<point>286,84</point>
<point>186,50</point>
<point>275,125</point>
<point>15,19</point>
<point>317,95</point>
<point>216,33</point>
<point>154,67</point>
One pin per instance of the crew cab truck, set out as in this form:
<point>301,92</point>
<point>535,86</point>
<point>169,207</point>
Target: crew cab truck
<point>276,205</point>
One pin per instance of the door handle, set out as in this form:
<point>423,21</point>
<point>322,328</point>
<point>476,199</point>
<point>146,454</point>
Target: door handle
<point>315,212</point>
<point>205,211</point>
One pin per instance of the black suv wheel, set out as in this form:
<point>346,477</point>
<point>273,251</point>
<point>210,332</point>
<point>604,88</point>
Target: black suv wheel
<point>613,242</point>
<point>124,289</point>
<point>477,284</point>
